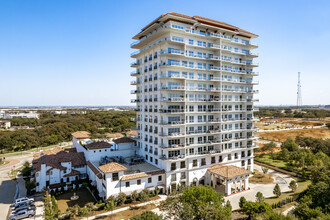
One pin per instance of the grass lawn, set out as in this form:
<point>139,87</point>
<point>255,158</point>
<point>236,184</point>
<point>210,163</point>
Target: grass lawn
<point>130,212</point>
<point>64,201</point>
<point>268,160</point>
<point>4,162</point>
<point>301,187</point>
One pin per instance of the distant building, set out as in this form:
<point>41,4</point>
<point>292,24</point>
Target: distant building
<point>23,115</point>
<point>5,124</point>
<point>2,114</point>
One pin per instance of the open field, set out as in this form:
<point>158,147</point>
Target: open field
<point>282,123</point>
<point>301,187</point>
<point>322,133</point>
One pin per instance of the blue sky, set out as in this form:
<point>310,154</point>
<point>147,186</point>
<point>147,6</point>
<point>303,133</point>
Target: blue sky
<point>77,52</point>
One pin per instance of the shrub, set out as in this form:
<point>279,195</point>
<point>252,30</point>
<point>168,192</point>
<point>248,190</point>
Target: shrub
<point>121,199</point>
<point>156,191</point>
<point>134,195</point>
<point>143,196</point>
<point>147,215</point>
<point>84,211</point>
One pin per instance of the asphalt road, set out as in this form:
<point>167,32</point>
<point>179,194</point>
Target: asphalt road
<point>8,186</point>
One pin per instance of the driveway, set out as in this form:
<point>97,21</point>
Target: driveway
<point>266,189</point>
<point>8,186</point>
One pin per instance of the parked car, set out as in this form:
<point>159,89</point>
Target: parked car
<point>32,206</point>
<point>25,213</point>
<point>22,205</point>
<point>23,199</point>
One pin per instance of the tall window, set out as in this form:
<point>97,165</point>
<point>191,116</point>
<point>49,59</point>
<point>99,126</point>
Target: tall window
<point>115,177</point>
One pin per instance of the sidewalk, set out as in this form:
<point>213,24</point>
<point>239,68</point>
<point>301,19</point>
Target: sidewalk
<point>156,202</point>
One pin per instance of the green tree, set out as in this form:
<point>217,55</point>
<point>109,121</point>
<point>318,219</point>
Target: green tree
<point>147,215</point>
<point>201,202</point>
<point>260,197</point>
<point>290,145</point>
<point>293,185</point>
<point>242,202</point>
<point>252,209</point>
<point>277,190</point>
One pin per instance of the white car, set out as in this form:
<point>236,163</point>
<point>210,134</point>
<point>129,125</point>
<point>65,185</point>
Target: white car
<point>26,213</point>
<point>23,199</point>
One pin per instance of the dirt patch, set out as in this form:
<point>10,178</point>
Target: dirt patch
<point>322,133</point>
<point>259,177</point>
<point>130,212</point>
<point>64,200</point>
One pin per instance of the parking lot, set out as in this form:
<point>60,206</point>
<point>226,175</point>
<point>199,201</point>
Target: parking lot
<point>39,209</point>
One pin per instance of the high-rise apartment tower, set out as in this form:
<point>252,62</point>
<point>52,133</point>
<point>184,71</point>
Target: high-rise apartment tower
<point>194,100</point>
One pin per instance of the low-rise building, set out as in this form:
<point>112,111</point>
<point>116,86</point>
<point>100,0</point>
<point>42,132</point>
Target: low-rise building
<point>59,169</point>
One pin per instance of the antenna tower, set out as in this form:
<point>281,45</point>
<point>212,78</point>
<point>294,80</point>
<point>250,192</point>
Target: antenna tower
<point>299,96</point>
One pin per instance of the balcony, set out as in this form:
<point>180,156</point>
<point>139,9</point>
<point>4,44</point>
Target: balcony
<point>171,110</point>
<point>135,73</point>
<point>135,82</point>
<point>171,146</point>
<point>172,122</point>
<point>174,134</point>
<point>177,157</point>
<point>187,66</point>
<point>164,99</point>
<point>135,64</point>
<point>135,100</point>
<point>172,88</point>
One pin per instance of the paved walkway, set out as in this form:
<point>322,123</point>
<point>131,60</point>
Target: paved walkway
<point>266,189</point>
<point>156,202</point>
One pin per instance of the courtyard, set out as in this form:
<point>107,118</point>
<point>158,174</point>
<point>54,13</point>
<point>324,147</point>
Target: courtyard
<point>64,200</point>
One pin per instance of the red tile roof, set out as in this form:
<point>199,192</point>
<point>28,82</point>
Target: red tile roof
<point>200,19</point>
<point>95,170</point>
<point>124,140</point>
<point>56,156</point>
<point>81,134</point>
<point>141,175</point>
<point>72,173</point>
<point>98,145</point>
<point>228,171</point>
<point>112,167</point>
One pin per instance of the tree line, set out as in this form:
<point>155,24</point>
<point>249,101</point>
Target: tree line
<point>52,129</point>
<point>292,113</point>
